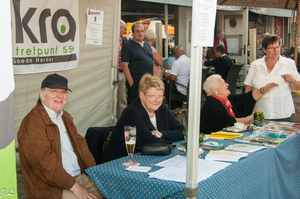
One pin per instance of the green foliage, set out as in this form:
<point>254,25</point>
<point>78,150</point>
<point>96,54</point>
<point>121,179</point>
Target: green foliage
<point>259,116</point>
<point>209,55</point>
<point>185,133</point>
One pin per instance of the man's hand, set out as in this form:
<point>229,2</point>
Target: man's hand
<point>81,192</point>
<point>127,74</point>
<point>164,71</point>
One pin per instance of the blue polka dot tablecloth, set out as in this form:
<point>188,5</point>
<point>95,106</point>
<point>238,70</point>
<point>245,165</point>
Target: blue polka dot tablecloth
<point>268,173</point>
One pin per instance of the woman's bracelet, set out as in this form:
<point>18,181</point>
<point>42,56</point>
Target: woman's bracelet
<point>261,91</point>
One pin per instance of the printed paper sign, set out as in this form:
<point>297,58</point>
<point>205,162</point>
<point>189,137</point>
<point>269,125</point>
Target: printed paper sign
<point>94,27</point>
<point>45,35</point>
<point>205,22</point>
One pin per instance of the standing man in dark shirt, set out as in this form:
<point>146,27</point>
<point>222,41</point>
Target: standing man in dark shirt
<point>137,60</point>
<point>222,63</point>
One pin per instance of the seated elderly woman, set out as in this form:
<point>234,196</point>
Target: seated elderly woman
<point>153,120</point>
<point>222,109</point>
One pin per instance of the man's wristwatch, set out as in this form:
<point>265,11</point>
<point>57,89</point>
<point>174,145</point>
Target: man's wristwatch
<point>292,80</point>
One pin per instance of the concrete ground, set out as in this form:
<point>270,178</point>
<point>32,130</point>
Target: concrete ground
<point>20,181</point>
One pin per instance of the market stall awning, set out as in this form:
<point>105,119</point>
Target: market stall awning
<point>286,4</point>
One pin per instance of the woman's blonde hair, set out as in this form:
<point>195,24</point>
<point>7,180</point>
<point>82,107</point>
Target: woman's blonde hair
<point>149,35</point>
<point>149,81</point>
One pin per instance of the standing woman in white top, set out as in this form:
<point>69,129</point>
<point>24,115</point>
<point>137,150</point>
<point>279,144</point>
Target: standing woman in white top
<point>278,103</point>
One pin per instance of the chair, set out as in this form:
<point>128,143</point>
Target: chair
<point>181,116</point>
<point>232,77</point>
<point>234,61</point>
<point>178,97</point>
<point>205,72</point>
<point>96,140</point>
<point>239,81</point>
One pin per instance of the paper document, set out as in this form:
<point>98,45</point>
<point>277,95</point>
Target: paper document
<point>138,169</point>
<point>222,155</point>
<point>248,148</point>
<point>177,161</point>
<point>177,172</point>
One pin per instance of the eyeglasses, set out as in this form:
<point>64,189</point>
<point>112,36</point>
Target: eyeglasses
<point>273,48</point>
<point>160,97</point>
<point>124,28</point>
<point>57,92</point>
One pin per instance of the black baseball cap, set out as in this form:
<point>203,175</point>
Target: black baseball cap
<point>55,81</point>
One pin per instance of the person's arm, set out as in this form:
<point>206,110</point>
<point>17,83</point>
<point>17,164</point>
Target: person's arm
<point>127,74</point>
<point>213,62</point>
<point>295,85</point>
<point>245,120</point>
<point>170,77</point>
<point>174,133</point>
<point>248,88</point>
<point>258,93</point>
<point>157,58</point>
<point>133,116</point>
<point>36,146</point>
<point>173,74</point>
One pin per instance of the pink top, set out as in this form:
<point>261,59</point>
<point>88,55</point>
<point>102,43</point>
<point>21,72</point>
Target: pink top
<point>156,68</point>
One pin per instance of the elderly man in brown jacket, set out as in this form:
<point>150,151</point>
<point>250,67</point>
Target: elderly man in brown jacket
<point>53,155</point>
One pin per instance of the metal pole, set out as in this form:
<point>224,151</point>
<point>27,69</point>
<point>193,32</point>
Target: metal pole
<point>191,189</point>
<point>297,32</point>
<point>166,31</point>
<point>158,42</point>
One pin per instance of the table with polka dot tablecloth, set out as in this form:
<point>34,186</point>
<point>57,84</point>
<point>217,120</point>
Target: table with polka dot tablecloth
<point>269,173</point>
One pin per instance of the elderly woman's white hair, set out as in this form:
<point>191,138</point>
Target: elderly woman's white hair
<point>149,35</point>
<point>211,82</point>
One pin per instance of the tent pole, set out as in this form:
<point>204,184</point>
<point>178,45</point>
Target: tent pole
<point>297,32</point>
<point>166,31</point>
<point>191,189</point>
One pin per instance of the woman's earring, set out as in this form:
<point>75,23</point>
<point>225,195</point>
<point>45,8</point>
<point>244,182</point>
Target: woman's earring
<point>216,93</point>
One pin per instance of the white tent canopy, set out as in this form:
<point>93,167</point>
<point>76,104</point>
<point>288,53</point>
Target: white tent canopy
<point>90,103</point>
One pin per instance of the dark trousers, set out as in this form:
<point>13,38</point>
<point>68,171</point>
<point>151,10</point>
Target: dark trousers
<point>132,92</point>
<point>174,104</point>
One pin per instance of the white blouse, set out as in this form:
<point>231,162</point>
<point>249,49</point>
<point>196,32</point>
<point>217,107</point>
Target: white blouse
<point>277,103</point>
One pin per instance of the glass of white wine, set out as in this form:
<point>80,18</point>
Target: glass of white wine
<point>130,141</point>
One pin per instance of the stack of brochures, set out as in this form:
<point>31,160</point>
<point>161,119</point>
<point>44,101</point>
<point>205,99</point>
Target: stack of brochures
<point>248,148</point>
<point>261,139</point>
<point>212,145</point>
<point>285,126</point>
<point>227,156</point>
<point>273,133</point>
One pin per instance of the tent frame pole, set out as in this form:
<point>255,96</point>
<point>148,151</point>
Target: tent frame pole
<point>297,32</point>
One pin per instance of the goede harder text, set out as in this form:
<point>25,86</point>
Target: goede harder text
<point>42,51</point>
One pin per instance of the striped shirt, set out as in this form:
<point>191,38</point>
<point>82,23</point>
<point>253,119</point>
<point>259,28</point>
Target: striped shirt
<point>69,158</point>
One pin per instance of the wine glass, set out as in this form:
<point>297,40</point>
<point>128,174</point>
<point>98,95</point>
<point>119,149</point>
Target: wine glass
<point>130,141</point>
